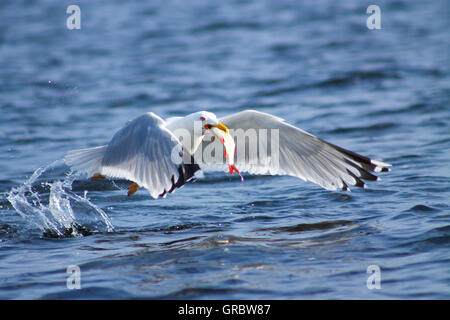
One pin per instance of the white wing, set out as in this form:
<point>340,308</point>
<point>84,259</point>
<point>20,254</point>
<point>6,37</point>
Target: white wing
<point>143,151</point>
<point>282,149</point>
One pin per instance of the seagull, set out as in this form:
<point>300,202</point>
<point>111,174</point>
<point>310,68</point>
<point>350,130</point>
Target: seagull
<point>162,155</point>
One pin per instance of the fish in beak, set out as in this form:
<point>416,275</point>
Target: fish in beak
<point>220,131</point>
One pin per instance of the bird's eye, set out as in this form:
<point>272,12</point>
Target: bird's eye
<point>202,118</point>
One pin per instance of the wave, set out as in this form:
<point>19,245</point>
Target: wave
<point>333,81</point>
<point>374,127</point>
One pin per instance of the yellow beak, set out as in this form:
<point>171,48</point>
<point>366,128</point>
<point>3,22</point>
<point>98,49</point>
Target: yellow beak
<point>221,126</point>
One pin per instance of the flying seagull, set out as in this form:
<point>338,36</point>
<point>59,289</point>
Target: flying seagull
<point>162,155</point>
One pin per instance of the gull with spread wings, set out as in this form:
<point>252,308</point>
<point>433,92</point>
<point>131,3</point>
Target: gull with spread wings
<point>162,155</point>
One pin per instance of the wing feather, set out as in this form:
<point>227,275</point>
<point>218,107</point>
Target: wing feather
<point>141,152</point>
<point>300,154</point>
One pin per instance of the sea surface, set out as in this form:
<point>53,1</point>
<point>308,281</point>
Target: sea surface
<point>383,93</point>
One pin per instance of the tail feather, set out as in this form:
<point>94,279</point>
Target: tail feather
<point>87,161</point>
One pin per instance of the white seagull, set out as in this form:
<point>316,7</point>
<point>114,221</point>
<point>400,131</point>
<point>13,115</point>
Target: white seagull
<point>150,152</point>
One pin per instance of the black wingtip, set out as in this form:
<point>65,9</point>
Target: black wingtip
<point>359,183</point>
<point>186,172</point>
<point>345,187</point>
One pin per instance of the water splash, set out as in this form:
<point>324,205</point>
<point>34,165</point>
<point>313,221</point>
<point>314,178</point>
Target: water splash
<point>49,206</point>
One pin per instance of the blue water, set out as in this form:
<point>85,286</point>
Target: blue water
<point>382,93</point>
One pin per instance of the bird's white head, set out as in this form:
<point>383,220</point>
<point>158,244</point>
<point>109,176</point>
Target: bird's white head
<point>209,120</point>
<point>196,124</point>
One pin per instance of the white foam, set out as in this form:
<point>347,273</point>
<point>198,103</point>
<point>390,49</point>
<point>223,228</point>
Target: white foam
<point>57,215</point>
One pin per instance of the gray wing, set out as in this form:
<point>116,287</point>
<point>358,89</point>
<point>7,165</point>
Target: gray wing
<point>265,144</point>
<point>146,152</point>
